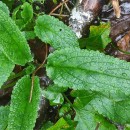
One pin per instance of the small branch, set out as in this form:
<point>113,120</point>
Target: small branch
<point>62,15</point>
<point>97,127</point>
<point>20,74</point>
<point>116,7</point>
<point>67,100</point>
<point>34,73</point>
<point>58,6</point>
<point>9,85</point>
<point>66,6</point>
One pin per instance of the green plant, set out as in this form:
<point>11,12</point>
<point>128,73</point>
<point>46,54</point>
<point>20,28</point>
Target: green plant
<point>99,84</point>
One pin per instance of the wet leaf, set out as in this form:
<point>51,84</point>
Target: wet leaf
<point>89,70</point>
<point>57,34</point>
<point>4,112</point>
<point>22,113</point>
<point>13,43</point>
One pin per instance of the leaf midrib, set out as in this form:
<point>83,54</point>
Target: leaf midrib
<point>90,71</point>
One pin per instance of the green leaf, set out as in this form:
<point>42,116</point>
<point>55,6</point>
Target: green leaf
<point>55,1</point>
<point>115,111</point>
<point>82,97</point>
<point>46,125</point>
<point>102,107</point>
<point>9,3</point>
<point>29,35</point>
<point>22,113</point>
<point>60,124</point>
<point>92,119</point>
<point>4,112</point>
<point>27,13</point>
<point>57,34</point>
<point>127,127</point>
<point>99,37</point>
<point>6,67</point>
<point>16,12</point>
<point>12,41</point>
<point>4,8</point>
<point>89,70</point>
<point>65,108</point>
<point>30,69</point>
<point>53,94</point>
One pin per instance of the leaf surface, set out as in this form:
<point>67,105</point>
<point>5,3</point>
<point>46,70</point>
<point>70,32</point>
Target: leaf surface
<point>27,13</point>
<point>6,67</point>
<point>4,8</point>
<point>56,33</point>
<point>115,111</point>
<point>90,121</point>
<point>12,42</point>
<point>22,113</point>
<point>89,117</point>
<point>99,108</point>
<point>60,124</point>
<point>54,94</point>
<point>99,37</point>
<point>4,112</point>
<point>89,70</point>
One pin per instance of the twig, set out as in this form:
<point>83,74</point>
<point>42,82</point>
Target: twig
<point>66,6</point>
<point>71,105</point>
<point>61,10</point>
<point>62,15</point>
<point>58,6</point>
<point>34,73</point>
<point>116,7</point>
<point>97,127</point>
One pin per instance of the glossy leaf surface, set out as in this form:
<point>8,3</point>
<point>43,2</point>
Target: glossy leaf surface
<point>89,70</point>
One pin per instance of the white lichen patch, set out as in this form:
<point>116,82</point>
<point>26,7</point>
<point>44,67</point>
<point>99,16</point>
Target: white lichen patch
<point>80,1</point>
<point>79,19</point>
<point>81,16</point>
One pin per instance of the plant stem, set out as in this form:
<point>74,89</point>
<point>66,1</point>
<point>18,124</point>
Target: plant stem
<point>34,73</point>
<point>17,75</point>
<point>67,100</point>
<point>9,85</point>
